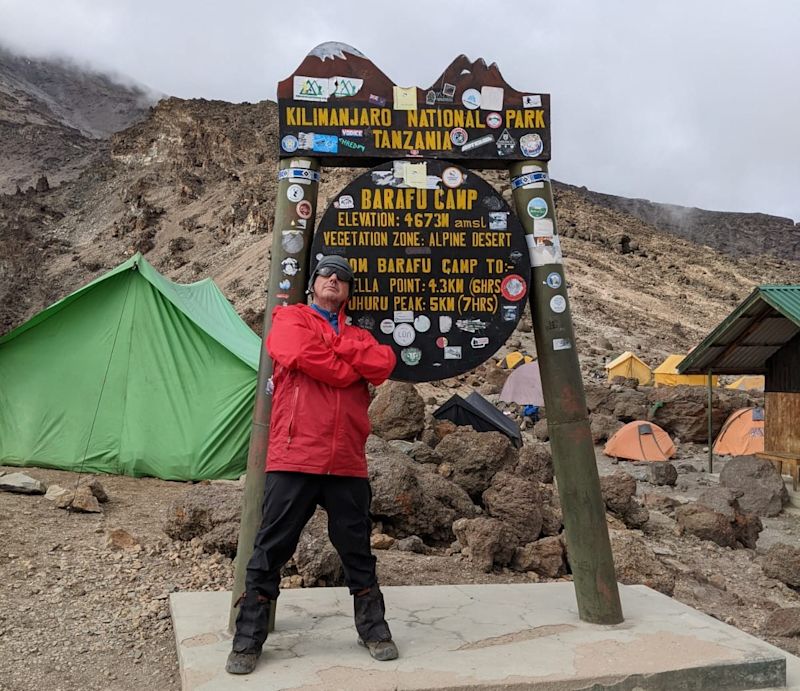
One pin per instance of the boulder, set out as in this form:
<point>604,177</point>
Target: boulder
<point>119,539</point>
<point>544,557</point>
<point>716,516</point>
<point>381,541</point>
<point>315,557</point>
<point>618,490</point>
<point>635,563</point>
<point>535,462</point>
<point>397,412</point>
<point>96,489</point>
<point>540,430</point>
<point>81,500</point>
<point>783,622</point>
<point>552,518</point>
<point>494,378</point>
<point>211,512</point>
<point>782,562</point>
<point>759,485</point>
<point>411,500</point>
<point>598,397</point>
<point>682,410</point>
<point>55,492</point>
<point>517,502</point>
<point>418,450</point>
<point>20,483</point>
<point>629,405</point>
<point>662,473</point>
<point>486,541</point>
<point>603,426</point>
<point>475,458</point>
<point>412,543</point>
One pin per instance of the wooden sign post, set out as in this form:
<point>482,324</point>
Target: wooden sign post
<point>442,263</point>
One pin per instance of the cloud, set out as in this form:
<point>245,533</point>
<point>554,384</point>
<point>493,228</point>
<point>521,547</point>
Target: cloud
<point>682,102</point>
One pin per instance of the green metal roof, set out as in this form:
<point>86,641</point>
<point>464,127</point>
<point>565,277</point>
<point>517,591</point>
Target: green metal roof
<point>767,319</point>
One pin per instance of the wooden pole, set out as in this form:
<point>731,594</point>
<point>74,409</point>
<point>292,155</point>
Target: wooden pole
<point>574,461</point>
<point>294,219</point>
<point>710,426</point>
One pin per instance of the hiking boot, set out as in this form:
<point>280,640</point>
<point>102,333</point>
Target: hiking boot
<point>381,650</point>
<point>369,615</point>
<point>241,663</point>
<point>252,625</point>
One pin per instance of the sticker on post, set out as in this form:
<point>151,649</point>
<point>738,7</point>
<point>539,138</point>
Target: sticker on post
<point>304,209</point>
<point>285,284</point>
<point>292,241</point>
<point>342,87</point>
<point>471,325</point>
<point>562,344</point>
<point>491,98</point>
<point>543,228</point>
<point>411,356</point>
<point>530,180</point>
<point>404,334</point>
<point>544,251</point>
<point>304,176</point>
<point>531,144</point>
<point>289,144</point>
<point>471,99</point>
<point>537,207</point>
<point>344,202</point>
<point>558,304</point>
<point>513,287</point>
<point>310,89</point>
<point>387,326</point>
<point>452,177</point>
<point>475,143</point>
<point>290,266</point>
<point>406,316</point>
<point>422,323</point>
<point>452,352</point>
<point>553,280</point>
<point>498,220</point>
<point>294,193</point>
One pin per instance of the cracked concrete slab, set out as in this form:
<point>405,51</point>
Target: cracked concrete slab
<point>480,637</point>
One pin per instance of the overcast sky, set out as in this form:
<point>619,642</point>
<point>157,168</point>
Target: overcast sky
<point>692,102</point>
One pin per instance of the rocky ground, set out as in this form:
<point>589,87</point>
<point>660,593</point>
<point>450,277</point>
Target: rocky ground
<point>85,602</point>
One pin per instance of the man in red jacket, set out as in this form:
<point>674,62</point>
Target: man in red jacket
<point>318,431</point>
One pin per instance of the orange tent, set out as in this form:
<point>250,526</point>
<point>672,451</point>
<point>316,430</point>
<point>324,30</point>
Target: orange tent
<point>742,434</point>
<point>640,441</point>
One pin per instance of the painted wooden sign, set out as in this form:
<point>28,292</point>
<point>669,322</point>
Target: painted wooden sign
<point>441,264</point>
<point>338,106</point>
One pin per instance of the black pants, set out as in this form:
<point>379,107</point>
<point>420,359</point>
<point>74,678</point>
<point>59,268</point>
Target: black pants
<point>290,500</point>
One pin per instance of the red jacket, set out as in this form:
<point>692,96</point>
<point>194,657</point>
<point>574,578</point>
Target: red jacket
<point>319,420</point>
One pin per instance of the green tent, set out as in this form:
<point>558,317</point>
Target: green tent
<point>132,374</point>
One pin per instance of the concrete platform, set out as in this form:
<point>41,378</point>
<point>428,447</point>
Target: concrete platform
<point>480,637</point>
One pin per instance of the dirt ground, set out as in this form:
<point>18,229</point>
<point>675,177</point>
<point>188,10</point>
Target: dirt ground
<point>76,613</point>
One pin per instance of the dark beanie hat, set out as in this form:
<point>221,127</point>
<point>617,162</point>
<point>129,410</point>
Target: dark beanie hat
<point>341,266</point>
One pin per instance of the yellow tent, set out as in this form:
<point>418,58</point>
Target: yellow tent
<point>666,374</point>
<point>629,366</point>
<point>749,382</point>
<point>514,360</point>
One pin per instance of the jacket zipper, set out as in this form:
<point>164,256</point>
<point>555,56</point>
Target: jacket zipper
<point>335,435</point>
<point>291,418</point>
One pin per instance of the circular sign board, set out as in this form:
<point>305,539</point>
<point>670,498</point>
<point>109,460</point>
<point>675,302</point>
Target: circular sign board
<point>441,265</point>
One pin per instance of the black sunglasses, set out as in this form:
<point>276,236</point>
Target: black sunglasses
<point>341,273</point>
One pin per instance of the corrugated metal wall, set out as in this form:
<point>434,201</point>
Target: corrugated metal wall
<point>783,369</point>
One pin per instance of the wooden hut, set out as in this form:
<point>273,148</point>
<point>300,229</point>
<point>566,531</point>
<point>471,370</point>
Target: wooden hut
<point>762,336</point>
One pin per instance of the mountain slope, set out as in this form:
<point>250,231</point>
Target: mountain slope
<point>54,118</point>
